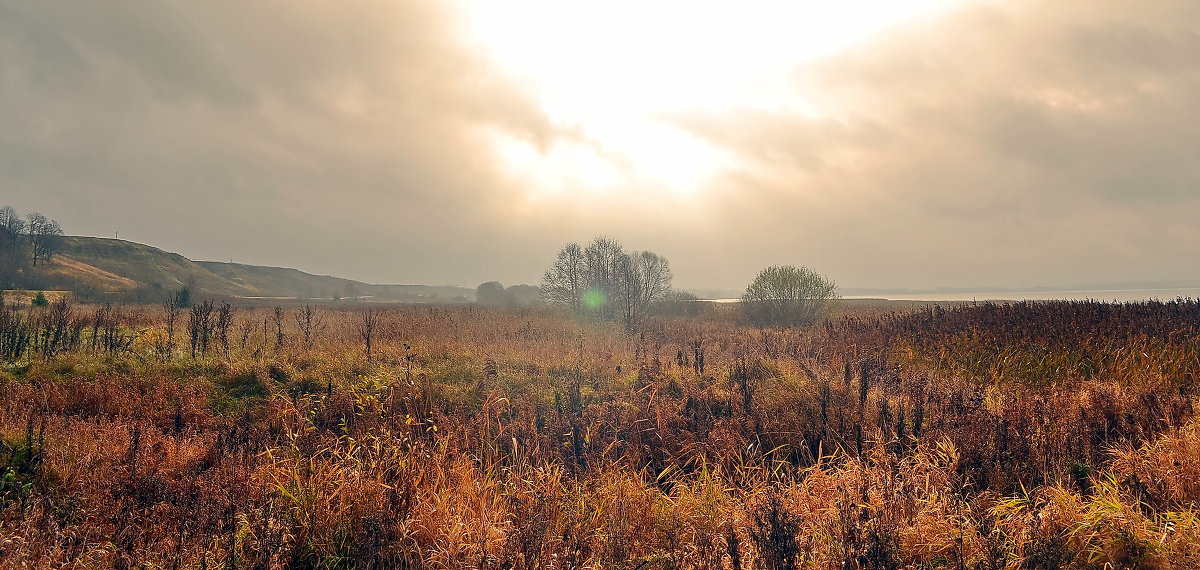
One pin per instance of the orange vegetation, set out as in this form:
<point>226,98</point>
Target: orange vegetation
<point>1049,435</point>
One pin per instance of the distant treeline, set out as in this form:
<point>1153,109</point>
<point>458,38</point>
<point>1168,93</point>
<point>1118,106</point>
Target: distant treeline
<point>495,293</point>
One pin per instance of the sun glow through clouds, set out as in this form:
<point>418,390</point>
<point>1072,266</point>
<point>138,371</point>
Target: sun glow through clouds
<point>616,70</point>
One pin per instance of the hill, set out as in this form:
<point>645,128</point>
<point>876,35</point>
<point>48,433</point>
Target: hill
<point>293,283</point>
<point>104,267</point>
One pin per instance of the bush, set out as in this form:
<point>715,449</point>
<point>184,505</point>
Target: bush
<point>783,296</point>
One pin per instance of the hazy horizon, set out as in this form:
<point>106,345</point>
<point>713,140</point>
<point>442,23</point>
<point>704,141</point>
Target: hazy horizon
<point>892,145</point>
<point>1126,291</point>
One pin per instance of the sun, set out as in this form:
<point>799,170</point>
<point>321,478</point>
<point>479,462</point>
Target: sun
<point>618,70</point>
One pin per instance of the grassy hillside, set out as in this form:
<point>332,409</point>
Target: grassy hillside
<point>287,282</point>
<point>283,281</point>
<point>113,266</point>
<point>132,265</point>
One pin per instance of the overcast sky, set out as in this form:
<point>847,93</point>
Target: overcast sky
<point>919,144</point>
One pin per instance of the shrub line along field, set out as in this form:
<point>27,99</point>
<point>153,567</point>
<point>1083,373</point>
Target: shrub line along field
<point>993,435</point>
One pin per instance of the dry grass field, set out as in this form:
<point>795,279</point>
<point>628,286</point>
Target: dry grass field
<point>1027,435</point>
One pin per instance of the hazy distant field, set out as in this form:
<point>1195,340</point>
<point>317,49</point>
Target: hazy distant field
<point>978,436</point>
<point>1103,295</point>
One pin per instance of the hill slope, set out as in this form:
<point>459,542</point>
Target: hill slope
<point>117,266</point>
<point>288,282</point>
<point>91,261</point>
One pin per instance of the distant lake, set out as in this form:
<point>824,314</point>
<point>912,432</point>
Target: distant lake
<point>1107,295</point>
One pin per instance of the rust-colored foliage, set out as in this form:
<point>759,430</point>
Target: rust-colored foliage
<point>984,436</point>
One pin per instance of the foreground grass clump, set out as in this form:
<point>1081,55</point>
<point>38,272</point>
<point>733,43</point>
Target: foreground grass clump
<point>992,436</point>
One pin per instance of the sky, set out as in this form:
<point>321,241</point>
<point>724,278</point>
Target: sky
<point>891,144</point>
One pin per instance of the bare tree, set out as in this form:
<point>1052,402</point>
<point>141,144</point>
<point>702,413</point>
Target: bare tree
<point>367,322</point>
<point>654,273</point>
<point>45,237</point>
<point>11,224</point>
<point>603,261</point>
<point>12,227</point>
<point>604,281</point>
<point>628,289</point>
<point>643,278</point>
<point>564,283</point>
<point>585,279</point>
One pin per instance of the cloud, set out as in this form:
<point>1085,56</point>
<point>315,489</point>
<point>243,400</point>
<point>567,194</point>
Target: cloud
<point>1014,143</point>
<point>1018,143</point>
<point>271,132</point>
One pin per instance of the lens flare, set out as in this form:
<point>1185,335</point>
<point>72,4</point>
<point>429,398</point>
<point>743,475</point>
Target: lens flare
<point>594,300</point>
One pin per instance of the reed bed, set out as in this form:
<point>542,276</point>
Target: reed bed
<point>1030,435</point>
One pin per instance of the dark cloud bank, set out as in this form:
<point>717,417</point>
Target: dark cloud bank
<point>1012,144</point>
